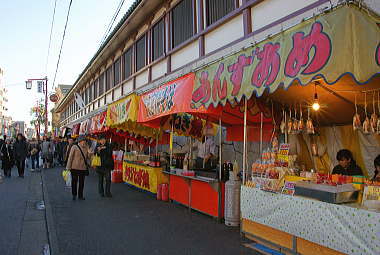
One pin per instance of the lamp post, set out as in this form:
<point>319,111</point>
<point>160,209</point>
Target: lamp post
<point>28,85</point>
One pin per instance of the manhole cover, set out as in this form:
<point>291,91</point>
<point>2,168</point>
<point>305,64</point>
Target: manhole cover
<point>40,205</point>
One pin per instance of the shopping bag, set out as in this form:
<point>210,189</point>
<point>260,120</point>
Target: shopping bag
<point>68,180</point>
<point>65,174</point>
<point>96,161</point>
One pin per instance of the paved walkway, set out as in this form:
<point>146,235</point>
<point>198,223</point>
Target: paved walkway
<point>23,228</point>
<point>132,222</point>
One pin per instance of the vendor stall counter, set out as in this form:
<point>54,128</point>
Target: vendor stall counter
<point>203,194</point>
<point>143,176</point>
<point>298,225</point>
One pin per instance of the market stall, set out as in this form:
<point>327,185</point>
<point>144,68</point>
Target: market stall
<point>196,185</point>
<point>139,170</point>
<point>323,82</point>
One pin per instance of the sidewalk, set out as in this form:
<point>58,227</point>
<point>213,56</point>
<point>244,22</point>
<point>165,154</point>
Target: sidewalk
<point>132,222</point>
<point>23,227</point>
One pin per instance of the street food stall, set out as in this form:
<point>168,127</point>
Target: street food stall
<point>168,107</point>
<point>196,184</point>
<point>139,169</point>
<point>322,76</point>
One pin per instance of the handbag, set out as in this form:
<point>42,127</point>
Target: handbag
<point>96,161</point>
<point>87,172</point>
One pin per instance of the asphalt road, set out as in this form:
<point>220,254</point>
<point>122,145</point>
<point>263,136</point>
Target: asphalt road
<point>132,222</point>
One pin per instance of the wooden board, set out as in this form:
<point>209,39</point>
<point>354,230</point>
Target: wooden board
<point>306,247</point>
<point>272,235</point>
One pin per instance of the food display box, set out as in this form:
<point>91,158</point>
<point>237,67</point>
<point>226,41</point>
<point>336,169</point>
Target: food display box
<point>331,194</point>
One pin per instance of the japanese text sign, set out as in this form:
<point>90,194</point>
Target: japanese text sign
<point>320,46</point>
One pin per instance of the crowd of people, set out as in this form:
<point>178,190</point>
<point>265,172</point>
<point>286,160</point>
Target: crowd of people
<point>40,154</point>
<point>74,155</point>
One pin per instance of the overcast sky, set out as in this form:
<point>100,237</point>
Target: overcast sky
<point>24,39</point>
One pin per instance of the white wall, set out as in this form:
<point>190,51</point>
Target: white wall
<point>269,11</point>
<point>142,79</point>
<point>159,69</point>
<point>225,34</point>
<point>128,87</point>
<point>185,55</point>
<point>117,93</point>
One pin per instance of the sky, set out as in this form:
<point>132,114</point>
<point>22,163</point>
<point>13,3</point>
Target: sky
<point>24,39</point>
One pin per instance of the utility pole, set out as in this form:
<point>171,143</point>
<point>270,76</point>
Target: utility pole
<point>28,84</point>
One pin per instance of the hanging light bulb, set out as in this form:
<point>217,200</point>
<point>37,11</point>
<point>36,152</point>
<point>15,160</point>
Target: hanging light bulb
<point>316,106</point>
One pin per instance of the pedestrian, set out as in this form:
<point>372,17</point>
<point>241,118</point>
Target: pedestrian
<point>7,157</point>
<point>20,151</point>
<point>67,148</point>
<point>63,152</point>
<point>104,151</point>
<point>77,163</point>
<point>34,151</point>
<point>47,152</point>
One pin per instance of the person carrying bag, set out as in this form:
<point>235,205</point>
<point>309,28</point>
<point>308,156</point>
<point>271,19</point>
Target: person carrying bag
<point>77,164</point>
<point>104,151</point>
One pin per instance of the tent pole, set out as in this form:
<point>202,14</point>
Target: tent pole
<point>245,141</point>
<point>157,143</point>
<point>190,154</point>
<point>171,143</point>
<point>220,148</point>
<point>261,133</point>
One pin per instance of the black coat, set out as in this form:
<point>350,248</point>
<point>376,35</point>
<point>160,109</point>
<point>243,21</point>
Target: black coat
<point>105,155</point>
<point>20,150</point>
<point>7,156</point>
<point>352,169</point>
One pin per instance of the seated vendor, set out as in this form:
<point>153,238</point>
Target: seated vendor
<point>376,162</point>
<point>205,152</point>
<point>347,164</point>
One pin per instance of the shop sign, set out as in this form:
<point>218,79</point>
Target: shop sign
<point>173,97</point>
<point>317,47</point>
<point>283,152</point>
<point>189,125</point>
<point>122,111</point>
<point>54,98</point>
<point>98,123</point>
<point>137,176</point>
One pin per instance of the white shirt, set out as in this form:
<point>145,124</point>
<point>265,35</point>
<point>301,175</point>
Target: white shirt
<point>206,148</point>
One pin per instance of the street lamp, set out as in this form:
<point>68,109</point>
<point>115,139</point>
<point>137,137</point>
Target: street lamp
<point>28,84</point>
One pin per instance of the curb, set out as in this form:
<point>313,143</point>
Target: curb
<point>51,231</point>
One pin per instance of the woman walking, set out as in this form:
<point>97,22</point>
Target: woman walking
<point>47,152</point>
<point>77,163</point>
<point>34,151</point>
<point>20,149</point>
<point>104,151</point>
<point>7,158</point>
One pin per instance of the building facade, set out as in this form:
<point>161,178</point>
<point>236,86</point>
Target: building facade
<point>61,91</point>
<point>158,41</point>
<point>5,120</point>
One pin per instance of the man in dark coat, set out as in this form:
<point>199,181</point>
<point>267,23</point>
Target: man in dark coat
<point>104,151</point>
<point>7,158</point>
<point>20,149</point>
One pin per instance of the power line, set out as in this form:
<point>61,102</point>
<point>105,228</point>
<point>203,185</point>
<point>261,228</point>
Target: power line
<point>51,32</point>
<point>121,3</point>
<point>63,38</point>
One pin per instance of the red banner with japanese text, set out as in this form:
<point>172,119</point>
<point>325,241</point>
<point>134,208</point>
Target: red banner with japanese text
<point>343,41</point>
<point>173,97</point>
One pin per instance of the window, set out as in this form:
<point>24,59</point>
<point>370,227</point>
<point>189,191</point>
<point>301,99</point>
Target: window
<point>116,72</point>
<point>85,96</point>
<point>96,83</point>
<point>140,53</point>
<point>90,92</point>
<point>217,9</point>
<point>127,70</point>
<point>101,84</point>
<point>182,20</point>
<point>108,78</point>
<point>158,35</point>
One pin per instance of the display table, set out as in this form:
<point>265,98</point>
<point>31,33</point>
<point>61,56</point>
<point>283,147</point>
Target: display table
<point>306,226</point>
<point>142,176</point>
<point>205,195</point>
